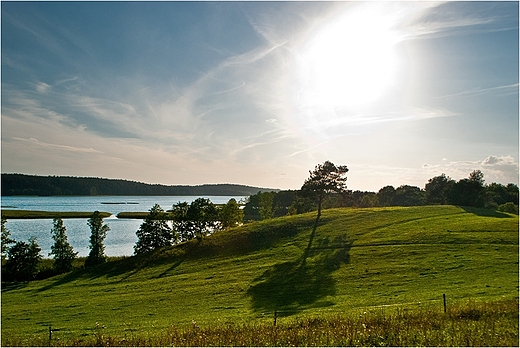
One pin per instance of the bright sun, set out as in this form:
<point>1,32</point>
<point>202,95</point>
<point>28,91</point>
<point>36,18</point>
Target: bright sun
<point>349,62</point>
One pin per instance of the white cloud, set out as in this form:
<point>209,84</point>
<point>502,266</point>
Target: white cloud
<point>42,87</point>
<point>426,165</point>
<point>502,169</point>
<point>499,161</point>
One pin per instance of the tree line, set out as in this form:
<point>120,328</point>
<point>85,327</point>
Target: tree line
<point>34,185</point>
<point>471,191</point>
<point>185,222</point>
<point>21,260</point>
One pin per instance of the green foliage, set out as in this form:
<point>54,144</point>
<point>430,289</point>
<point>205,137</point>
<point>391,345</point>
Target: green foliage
<point>407,195</point>
<point>266,209</point>
<point>264,205</point>
<point>230,214</point>
<point>466,193</point>
<point>437,189</point>
<point>300,205</point>
<point>325,179</point>
<point>500,194</point>
<point>369,200</point>
<point>509,207</point>
<point>386,196</point>
<point>98,233</point>
<point>61,249</point>
<point>23,260</point>
<point>6,238</point>
<point>154,232</point>
<point>195,220</point>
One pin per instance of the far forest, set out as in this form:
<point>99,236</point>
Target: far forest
<point>34,185</point>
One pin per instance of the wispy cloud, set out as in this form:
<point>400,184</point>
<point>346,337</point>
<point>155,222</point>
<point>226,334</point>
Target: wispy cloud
<point>450,18</point>
<point>501,90</point>
<point>166,102</point>
<point>36,142</point>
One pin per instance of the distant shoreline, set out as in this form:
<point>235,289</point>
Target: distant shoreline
<point>44,186</point>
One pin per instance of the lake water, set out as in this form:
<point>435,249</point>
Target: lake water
<point>120,239</point>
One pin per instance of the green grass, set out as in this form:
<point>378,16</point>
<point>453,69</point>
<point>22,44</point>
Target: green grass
<point>360,260</point>
<point>36,214</point>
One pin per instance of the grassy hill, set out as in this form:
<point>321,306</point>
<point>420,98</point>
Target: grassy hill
<point>359,259</point>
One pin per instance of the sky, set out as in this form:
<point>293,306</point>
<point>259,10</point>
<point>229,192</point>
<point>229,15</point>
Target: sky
<point>258,93</point>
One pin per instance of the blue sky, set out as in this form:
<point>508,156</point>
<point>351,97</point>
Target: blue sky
<point>258,93</point>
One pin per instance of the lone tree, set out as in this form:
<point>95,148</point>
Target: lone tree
<point>154,232</point>
<point>325,179</point>
<point>97,237</point>
<point>61,249</point>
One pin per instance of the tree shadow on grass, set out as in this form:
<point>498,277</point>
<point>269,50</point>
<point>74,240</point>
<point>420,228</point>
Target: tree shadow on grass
<point>8,286</point>
<point>121,269</point>
<point>292,286</point>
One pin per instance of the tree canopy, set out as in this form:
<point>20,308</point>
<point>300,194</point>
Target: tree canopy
<point>61,249</point>
<point>23,260</point>
<point>98,233</point>
<point>154,232</point>
<point>325,179</point>
<point>195,220</point>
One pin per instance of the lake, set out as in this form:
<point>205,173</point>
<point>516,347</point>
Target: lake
<point>120,239</point>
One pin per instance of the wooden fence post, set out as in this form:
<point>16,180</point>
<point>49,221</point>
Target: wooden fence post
<point>444,300</point>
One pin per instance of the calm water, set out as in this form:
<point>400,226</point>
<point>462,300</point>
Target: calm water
<point>120,239</point>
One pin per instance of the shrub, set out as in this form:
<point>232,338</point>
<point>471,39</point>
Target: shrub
<point>508,207</point>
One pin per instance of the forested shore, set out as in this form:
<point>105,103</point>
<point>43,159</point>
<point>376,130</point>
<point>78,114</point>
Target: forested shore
<point>34,185</point>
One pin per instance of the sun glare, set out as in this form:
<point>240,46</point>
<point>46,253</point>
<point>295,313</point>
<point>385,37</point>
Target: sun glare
<point>349,62</point>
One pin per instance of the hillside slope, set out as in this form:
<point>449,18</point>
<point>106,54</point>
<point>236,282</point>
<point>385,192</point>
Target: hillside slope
<point>359,258</point>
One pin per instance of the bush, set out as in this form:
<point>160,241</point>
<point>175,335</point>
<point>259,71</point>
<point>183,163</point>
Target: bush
<point>23,260</point>
<point>508,207</point>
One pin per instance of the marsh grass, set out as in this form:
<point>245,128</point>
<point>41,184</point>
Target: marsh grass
<point>468,324</point>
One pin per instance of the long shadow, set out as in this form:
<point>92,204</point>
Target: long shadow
<point>8,286</point>
<point>123,268</point>
<point>261,238</point>
<point>290,287</point>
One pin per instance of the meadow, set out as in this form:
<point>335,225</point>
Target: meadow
<point>372,276</point>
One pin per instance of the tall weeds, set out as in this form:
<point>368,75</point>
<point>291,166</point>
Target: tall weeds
<point>470,324</point>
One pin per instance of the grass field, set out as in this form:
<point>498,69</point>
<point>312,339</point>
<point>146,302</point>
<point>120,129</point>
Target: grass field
<point>386,260</point>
